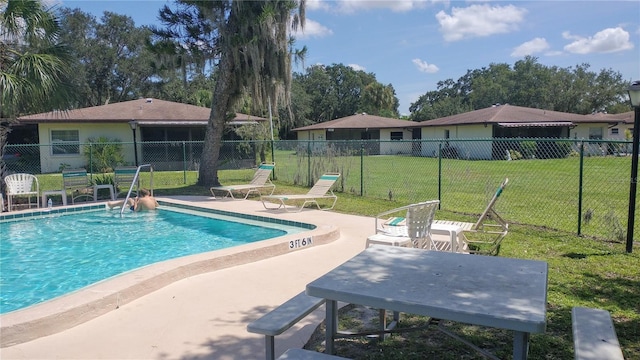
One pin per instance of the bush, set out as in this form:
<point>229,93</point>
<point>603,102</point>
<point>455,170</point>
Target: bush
<point>515,155</point>
<point>553,149</point>
<point>528,149</point>
<point>103,154</point>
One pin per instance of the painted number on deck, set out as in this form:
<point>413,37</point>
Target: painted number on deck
<point>298,243</point>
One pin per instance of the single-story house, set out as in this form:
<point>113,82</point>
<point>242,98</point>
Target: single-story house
<point>509,121</point>
<point>362,127</point>
<point>497,121</point>
<point>148,120</point>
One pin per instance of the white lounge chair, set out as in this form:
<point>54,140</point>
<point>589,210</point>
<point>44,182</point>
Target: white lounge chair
<point>411,230</point>
<point>485,235</point>
<point>320,191</point>
<point>260,181</point>
<point>22,185</point>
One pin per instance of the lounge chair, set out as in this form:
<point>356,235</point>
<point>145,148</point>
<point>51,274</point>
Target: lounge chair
<point>411,230</point>
<point>260,181</point>
<point>79,183</point>
<point>481,237</point>
<point>22,185</point>
<point>320,191</point>
<point>123,177</point>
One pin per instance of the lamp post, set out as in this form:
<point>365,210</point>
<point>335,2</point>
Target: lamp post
<point>634,97</point>
<point>134,125</point>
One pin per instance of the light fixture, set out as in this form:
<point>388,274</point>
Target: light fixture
<point>134,124</point>
<point>634,97</point>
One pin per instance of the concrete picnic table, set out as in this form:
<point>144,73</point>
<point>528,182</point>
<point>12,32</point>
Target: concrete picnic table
<point>490,291</point>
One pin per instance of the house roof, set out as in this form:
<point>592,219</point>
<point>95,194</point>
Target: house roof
<point>359,121</point>
<point>626,118</point>
<point>504,114</point>
<point>144,111</point>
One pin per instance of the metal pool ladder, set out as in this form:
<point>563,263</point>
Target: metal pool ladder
<point>135,181</point>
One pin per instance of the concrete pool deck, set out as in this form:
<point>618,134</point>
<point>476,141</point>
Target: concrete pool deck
<point>205,316</point>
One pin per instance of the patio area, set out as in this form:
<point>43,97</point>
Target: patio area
<point>205,316</point>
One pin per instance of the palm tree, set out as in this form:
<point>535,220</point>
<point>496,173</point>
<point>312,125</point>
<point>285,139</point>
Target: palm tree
<point>254,58</point>
<point>32,64</point>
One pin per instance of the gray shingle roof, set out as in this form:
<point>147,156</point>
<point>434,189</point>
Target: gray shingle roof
<point>504,114</point>
<point>142,110</point>
<point>359,121</point>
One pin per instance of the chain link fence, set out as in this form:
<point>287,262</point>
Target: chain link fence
<point>579,186</point>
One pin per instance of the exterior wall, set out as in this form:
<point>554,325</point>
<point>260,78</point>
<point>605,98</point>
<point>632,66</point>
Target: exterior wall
<point>581,131</point>
<point>51,163</point>
<point>479,150</point>
<point>395,147</point>
<point>317,136</point>
<point>311,135</point>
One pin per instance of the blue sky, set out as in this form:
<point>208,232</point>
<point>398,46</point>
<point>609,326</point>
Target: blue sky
<point>414,44</point>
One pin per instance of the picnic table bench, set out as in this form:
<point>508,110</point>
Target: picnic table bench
<point>301,354</point>
<point>282,318</point>
<point>594,337</point>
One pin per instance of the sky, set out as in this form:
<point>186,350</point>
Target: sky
<point>414,44</point>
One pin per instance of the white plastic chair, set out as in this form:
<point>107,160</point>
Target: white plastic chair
<point>414,231</point>
<point>22,185</point>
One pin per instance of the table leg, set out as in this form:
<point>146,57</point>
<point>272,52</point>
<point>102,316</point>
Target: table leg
<point>520,345</point>
<point>331,321</point>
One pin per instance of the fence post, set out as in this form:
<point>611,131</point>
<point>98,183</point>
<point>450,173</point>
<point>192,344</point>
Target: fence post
<point>362,168</point>
<point>309,163</point>
<point>90,161</point>
<point>581,176</point>
<point>184,163</point>
<point>273,158</point>
<point>440,175</point>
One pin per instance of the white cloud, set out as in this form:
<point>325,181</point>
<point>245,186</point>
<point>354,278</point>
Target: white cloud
<point>479,21</point>
<point>316,5</point>
<point>531,47</point>
<point>605,41</point>
<point>425,67</point>
<point>312,29</point>
<point>351,6</point>
<point>357,67</point>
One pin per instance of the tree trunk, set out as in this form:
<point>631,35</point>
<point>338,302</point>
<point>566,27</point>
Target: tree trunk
<point>220,106</point>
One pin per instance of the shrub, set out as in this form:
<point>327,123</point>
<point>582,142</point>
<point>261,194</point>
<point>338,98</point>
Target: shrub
<point>515,155</point>
<point>528,149</point>
<point>103,154</point>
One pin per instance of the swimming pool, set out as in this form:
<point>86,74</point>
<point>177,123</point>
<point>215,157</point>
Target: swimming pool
<point>46,256</point>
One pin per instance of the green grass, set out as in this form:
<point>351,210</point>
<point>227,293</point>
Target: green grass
<point>541,192</point>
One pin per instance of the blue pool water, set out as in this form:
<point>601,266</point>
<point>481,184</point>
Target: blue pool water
<point>42,258</point>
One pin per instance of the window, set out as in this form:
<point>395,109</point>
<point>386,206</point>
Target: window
<point>614,131</point>
<point>595,133</point>
<point>65,142</point>
<point>396,135</point>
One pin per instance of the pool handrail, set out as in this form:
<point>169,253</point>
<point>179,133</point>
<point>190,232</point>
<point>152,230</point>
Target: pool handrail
<point>135,181</point>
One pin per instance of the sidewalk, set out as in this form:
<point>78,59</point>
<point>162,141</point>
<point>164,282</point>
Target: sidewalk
<point>205,316</point>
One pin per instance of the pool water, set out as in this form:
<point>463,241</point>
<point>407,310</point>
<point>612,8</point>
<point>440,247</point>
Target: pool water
<point>46,257</point>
